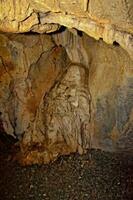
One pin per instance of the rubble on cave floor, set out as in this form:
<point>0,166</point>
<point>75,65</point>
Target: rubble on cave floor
<point>97,175</point>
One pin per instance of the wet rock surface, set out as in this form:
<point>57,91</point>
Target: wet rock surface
<point>96,175</point>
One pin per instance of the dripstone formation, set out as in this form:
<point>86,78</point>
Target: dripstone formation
<point>66,76</point>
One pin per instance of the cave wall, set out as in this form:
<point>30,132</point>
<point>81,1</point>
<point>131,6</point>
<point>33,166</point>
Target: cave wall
<point>29,65</point>
<point>111,86</point>
<point>64,93</point>
<point>22,16</point>
<point>110,20</point>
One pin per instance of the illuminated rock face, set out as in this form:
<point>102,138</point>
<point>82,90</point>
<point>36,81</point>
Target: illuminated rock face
<point>110,20</point>
<point>66,92</point>
<point>29,66</point>
<point>55,105</point>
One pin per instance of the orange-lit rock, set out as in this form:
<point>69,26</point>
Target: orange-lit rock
<point>65,91</point>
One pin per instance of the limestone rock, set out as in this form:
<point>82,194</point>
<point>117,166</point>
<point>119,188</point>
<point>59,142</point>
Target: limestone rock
<point>27,73</point>
<point>90,106</point>
<point>110,20</point>
<point>111,87</point>
<point>63,119</point>
<point>65,91</point>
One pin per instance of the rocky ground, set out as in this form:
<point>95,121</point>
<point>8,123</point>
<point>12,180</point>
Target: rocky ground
<point>95,176</point>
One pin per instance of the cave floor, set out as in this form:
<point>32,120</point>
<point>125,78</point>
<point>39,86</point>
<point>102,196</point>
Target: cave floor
<point>94,176</point>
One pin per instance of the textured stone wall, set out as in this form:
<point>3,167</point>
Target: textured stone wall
<point>29,66</point>
<point>111,87</point>
<point>65,91</point>
<point>110,20</point>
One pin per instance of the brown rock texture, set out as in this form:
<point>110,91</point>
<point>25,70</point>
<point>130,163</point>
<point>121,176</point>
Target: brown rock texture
<point>29,66</point>
<point>65,91</point>
<point>110,20</point>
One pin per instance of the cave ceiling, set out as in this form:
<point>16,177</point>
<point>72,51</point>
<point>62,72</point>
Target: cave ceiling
<point>110,20</point>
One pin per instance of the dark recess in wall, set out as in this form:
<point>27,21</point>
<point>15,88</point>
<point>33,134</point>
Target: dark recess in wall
<point>116,44</point>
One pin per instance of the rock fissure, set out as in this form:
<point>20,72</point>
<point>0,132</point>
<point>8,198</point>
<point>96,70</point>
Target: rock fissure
<point>4,65</point>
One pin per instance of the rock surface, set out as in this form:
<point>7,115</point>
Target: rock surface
<point>55,105</point>
<point>27,73</point>
<point>66,92</point>
<point>112,21</point>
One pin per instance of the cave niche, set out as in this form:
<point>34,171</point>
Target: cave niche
<point>65,92</point>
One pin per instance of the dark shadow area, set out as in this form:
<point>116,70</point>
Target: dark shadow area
<point>60,30</point>
<point>80,33</point>
<point>116,44</point>
<point>30,33</point>
<point>6,141</point>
